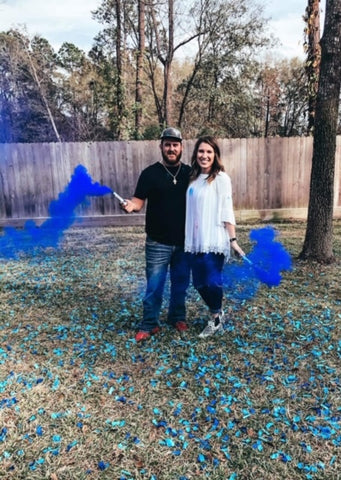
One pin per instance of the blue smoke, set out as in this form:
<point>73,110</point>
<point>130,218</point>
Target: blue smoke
<point>263,265</point>
<point>62,215</point>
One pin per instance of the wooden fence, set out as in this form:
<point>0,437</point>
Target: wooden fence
<point>270,177</point>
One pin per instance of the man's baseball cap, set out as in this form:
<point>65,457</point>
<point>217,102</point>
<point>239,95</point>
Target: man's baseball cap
<point>171,132</point>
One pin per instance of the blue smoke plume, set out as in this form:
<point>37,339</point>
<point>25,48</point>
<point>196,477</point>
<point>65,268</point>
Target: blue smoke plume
<point>62,215</point>
<point>263,265</point>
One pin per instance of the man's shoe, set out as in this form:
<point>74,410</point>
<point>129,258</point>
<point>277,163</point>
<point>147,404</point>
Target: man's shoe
<point>213,326</point>
<point>141,335</point>
<point>181,326</point>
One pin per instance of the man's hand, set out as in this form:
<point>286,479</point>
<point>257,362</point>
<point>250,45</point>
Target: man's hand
<point>133,205</point>
<point>127,206</point>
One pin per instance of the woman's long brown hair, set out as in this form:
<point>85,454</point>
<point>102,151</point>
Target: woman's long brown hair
<point>217,165</point>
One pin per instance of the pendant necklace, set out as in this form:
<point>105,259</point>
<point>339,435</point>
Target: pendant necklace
<point>173,176</point>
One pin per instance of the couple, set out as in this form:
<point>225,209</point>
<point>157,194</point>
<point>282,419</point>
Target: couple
<point>190,226</point>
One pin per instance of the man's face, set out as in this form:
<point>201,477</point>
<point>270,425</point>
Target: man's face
<point>171,151</point>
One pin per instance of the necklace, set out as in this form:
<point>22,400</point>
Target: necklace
<point>173,176</point>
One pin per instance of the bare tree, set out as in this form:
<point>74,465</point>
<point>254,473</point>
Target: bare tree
<point>162,45</point>
<point>41,91</point>
<point>230,36</point>
<point>319,234</point>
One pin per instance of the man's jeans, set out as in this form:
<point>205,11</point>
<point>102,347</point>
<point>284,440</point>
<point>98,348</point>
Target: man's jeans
<point>158,258</point>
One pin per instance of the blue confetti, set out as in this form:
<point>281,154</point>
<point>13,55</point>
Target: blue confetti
<point>71,445</point>
<point>3,434</point>
<point>103,465</point>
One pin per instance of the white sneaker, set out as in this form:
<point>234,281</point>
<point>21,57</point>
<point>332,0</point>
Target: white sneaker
<point>214,325</point>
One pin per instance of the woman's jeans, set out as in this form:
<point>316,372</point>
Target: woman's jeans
<point>207,278</point>
<point>159,258</point>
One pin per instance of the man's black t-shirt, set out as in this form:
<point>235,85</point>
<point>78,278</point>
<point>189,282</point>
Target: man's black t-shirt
<point>166,202</point>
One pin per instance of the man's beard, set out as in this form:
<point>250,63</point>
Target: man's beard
<point>171,163</point>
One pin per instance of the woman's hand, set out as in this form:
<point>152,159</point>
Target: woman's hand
<point>236,247</point>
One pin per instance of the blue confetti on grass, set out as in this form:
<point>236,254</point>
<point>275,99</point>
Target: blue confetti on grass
<point>216,375</point>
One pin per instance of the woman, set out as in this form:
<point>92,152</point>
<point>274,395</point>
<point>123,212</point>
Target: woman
<point>210,227</point>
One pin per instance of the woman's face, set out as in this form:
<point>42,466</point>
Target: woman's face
<point>205,157</point>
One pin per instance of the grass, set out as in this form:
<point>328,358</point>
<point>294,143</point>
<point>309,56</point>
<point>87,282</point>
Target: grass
<point>79,399</point>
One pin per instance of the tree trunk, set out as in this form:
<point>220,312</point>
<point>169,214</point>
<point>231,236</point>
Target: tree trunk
<point>189,85</point>
<point>319,233</point>
<point>119,82</point>
<point>168,99</point>
<point>313,57</point>
<point>267,115</point>
<point>165,112</point>
<point>139,68</point>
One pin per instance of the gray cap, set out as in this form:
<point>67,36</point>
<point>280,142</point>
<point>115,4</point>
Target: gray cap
<point>171,132</point>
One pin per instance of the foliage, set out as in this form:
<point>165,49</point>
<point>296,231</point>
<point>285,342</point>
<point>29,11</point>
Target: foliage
<point>21,106</point>
<point>282,98</point>
<point>81,95</point>
<point>80,399</point>
<point>91,96</point>
<point>199,68</point>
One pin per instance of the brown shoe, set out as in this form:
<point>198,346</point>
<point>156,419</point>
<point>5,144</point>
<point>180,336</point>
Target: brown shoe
<point>141,335</point>
<point>181,326</point>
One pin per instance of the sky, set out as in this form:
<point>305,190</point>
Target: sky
<point>71,21</point>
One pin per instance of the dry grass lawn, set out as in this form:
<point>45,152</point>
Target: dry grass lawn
<point>79,399</point>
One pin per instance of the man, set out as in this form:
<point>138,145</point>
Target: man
<point>164,184</point>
